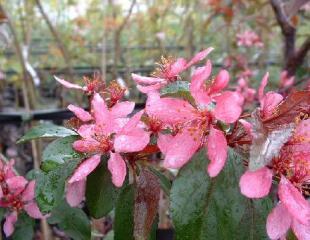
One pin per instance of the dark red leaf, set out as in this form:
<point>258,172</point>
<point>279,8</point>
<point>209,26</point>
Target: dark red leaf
<point>146,204</point>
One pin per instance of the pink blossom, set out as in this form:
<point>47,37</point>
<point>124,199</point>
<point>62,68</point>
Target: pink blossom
<point>6,172</point>
<point>113,134</point>
<point>197,123</point>
<point>18,199</point>
<point>285,80</point>
<point>293,165</point>
<point>168,72</point>
<point>244,90</point>
<point>249,38</point>
<point>268,101</point>
<point>91,86</point>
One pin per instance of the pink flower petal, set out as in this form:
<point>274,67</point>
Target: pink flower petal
<point>247,126</point>
<point>132,141</point>
<point>29,192</point>
<point>80,113</point>
<point>220,82</point>
<point>9,223</point>
<point>122,109</point>
<point>197,86</point>
<point>76,192</point>
<point>86,146</point>
<point>16,183</point>
<point>199,56</point>
<point>68,84</point>
<point>262,86</point>
<point>269,102</point>
<point>294,201</point>
<point>278,222</point>
<point>228,107</point>
<point>117,167</point>
<point>302,232</point>
<point>1,192</point>
<point>182,147</point>
<point>33,210</point>
<point>85,168</point>
<point>170,110</point>
<point>217,151</point>
<point>87,131</point>
<point>146,80</point>
<point>177,67</point>
<point>150,88</point>
<point>256,184</point>
<point>133,122</point>
<point>164,142</point>
<point>102,115</point>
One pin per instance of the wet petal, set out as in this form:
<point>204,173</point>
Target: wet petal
<point>262,86</point>
<point>302,232</point>
<point>170,110</point>
<point>247,126</point>
<point>9,223</point>
<point>117,167</point>
<point>68,84</point>
<point>177,67</point>
<point>220,82</point>
<point>146,80</point>
<point>269,103</point>
<point>182,147</point>
<point>199,56</point>
<point>16,183</point>
<point>228,107</point>
<point>86,146</point>
<point>256,184</point>
<point>85,168</point>
<point>197,87</point>
<point>133,122</point>
<point>76,192</point>
<point>132,141</point>
<point>29,192</point>
<point>294,201</point>
<point>151,88</point>
<point>87,131</point>
<point>122,109</point>
<point>33,210</point>
<point>101,113</point>
<point>278,222</point>
<point>80,113</point>
<point>164,142</point>
<point>217,151</point>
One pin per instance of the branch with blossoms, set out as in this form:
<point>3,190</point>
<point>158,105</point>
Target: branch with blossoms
<point>111,156</point>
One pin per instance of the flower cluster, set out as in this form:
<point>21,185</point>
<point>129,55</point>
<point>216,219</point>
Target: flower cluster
<point>16,195</point>
<point>249,38</point>
<point>290,169</point>
<point>179,126</point>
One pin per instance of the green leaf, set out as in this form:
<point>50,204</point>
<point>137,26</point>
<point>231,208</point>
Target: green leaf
<point>73,221</point>
<point>123,224</point>
<point>179,89</point>
<point>204,208</point>
<point>2,213</point>
<point>60,151</point>
<point>101,193</point>
<point>46,130</point>
<point>23,228</point>
<point>50,186</point>
<point>165,183</point>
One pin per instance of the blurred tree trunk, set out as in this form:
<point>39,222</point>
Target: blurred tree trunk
<point>292,58</point>
<point>117,40</point>
<point>59,42</point>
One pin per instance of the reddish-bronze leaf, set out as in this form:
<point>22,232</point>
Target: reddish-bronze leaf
<point>295,106</point>
<point>146,204</point>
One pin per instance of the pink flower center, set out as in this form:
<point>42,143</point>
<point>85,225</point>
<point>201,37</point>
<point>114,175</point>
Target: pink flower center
<point>164,69</point>
<point>105,143</point>
<point>155,125</point>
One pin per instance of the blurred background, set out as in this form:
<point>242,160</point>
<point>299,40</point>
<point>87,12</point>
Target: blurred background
<point>72,39</point>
